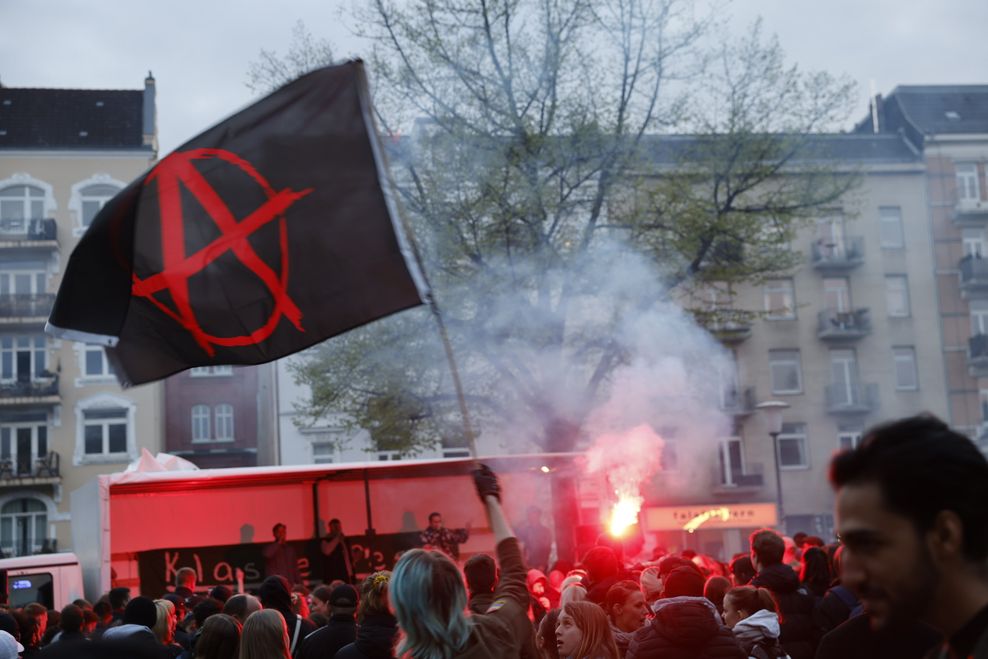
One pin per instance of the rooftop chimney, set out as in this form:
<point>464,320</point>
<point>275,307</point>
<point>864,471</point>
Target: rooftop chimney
<point>150,114</point>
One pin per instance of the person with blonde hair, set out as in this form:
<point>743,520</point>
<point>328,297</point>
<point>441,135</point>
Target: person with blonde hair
<point>164,626</point>
<point>584,632</point>
<point>573,593</point>
<point>377,627</point>
<point>265,636</point>
<point>430,599</point>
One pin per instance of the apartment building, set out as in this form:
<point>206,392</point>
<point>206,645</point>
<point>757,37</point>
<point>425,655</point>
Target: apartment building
<point>949,125</point>
<point>63,419</point>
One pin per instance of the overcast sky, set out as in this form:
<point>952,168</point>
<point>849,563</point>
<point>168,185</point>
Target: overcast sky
<point>199,50</point>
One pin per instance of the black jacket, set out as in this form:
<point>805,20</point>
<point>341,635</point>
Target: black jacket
<point>799,631</point>
<point>687,628</point>
<point>375,639</point>
<point>327,641</point>
<point>835,608</point>
<point>855,639</point>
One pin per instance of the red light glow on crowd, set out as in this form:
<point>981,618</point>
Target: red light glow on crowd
<point>626,460</point>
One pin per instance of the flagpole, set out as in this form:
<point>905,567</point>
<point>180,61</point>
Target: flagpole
<point>405,235</point>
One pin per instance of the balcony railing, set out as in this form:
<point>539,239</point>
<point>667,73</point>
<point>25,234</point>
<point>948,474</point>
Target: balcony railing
<point>974,277</point>
<point>738,401</point>
<point>729,326</point>
<point>737,480</point>
<point>851,398</point>
<point>969,213</point>
<point>977,355</point>
<point>838,256</point>
<point>26,306</point>
<point>40,230</point>
<point>25,470</point>
<point>28,390</point>
<point>843,325</point>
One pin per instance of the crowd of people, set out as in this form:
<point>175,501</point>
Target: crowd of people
<point>908,579</point>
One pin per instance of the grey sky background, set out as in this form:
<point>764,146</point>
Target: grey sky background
<point>199,50</point>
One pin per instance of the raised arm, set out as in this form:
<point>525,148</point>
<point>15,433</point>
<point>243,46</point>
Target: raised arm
<point>512,584</point>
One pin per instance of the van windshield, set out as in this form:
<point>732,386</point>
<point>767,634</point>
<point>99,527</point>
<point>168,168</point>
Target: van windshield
<point>26,588</point>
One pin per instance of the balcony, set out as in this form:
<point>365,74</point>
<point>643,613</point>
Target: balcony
<point>29,233</point>
<point>851,398</point>
<point>837,257</point>
<point>729,326</point>
<point>738,402</point>
<point>843,325</point>
<point>30,392</point>
<point>18,308</point>
<point>970,214</point>
<point>736,481</point>
<point>974,277</point>
<point>977,356</point>
<point>44,470</point>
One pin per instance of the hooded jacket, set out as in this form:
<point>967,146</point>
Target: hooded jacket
<point>760,629</point>
<point>375,639</point>
<point>274,594</point>
<point>687,628</point>
<point>796,608</point>
<point>622,639</point>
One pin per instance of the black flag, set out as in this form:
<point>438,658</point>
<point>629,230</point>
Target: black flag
<point>269,232</point>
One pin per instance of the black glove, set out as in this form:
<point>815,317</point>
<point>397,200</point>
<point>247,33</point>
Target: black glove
<point>486,482</point>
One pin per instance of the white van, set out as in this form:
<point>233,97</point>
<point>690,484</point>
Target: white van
<point>50,579</point>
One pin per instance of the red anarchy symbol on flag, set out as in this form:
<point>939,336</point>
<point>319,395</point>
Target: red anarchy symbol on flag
<point>179,267</point>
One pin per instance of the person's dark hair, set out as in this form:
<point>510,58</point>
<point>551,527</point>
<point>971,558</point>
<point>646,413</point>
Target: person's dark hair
<point>8,623</point>
<point>335,520</point>
<point>204,609</point>
<point>922,467</point>
<point>480,571</point>
<point>274,529</point>
<point>798,538</point>
<point>36,610</point>
<point>814,572</point>
<point>669,563</point>
<point>601,563</point>
<point>71,620</point>
<point>742,569</point>
<point>715,589</point>
<point>221,593</point>
<point>118,597</point>
<point>431,515</point>
<point>82,604</point>
<point>89,617</point>
<point>683,581</point>
<point>768,546</point>
<point>322,593</point>
<point>547,634</point>
<point>618,594</point>
<point>140,611</point>
<point>103,609</point>
<point>751,600</point>
<point>220,638</point>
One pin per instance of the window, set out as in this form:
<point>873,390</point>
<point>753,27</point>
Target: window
<point>837,295</point>
<point>780,299</point>
<point>25,278</point>
<point>974,243</point>
<point>849,439</point>
<point>93,198</point>
<point>23,526</point>
<point>385,456</point>
<point>844,380</point>
<point>210,371</point>
<point>890,218</point>
<point>22,358</point>
<point>787,377</point>
<point>223,422</point>
<point>983,397</point>
<point>731,461</point>
<point>95,363</point>
<point>792,446</point>
<point>906,378</point>
<point>19,204</point>
<point>979,317</point>
<point>897,296</point>
<point>105,431</point>
<point>323,453</point>
<point>26,588</point>
<point>200,423</point>
<point>967,183</point>
<point>23,443</point>
<point>830,235</point>
<point>450,453</point>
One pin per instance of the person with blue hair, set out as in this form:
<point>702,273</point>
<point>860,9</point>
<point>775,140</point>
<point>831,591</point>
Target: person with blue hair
<point>430,600</point>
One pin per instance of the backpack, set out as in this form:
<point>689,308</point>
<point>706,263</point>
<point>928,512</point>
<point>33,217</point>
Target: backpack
<point>766,650</point>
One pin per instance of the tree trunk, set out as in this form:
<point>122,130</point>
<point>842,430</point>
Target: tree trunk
<point>561,437</point>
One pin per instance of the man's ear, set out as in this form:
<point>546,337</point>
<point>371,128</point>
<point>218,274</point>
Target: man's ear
<point>945,539</point>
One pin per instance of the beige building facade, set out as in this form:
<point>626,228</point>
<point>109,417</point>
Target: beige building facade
<point>63,418</point>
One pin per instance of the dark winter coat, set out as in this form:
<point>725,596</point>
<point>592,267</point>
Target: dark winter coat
<point>855,639</point>
<point>835,608</point>
<point>687,628</point>
<point>799,632</point>
<point>327,641</point>
<point>375,639</point>
<point>274,594</point>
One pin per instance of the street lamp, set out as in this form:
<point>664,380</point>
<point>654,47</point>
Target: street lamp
<point>772,413</point>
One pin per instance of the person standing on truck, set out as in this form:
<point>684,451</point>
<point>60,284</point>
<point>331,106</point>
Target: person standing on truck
<point>336,551</point>
<point>448,541</point>
<point>429,599</point>
<point>280,558</point>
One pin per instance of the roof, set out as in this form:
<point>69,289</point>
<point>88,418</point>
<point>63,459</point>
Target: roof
<point>933,110</point>
<point>71,118</point>
<point>38,560</point>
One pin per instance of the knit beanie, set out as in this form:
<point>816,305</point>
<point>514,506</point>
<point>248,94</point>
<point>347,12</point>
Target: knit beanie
<point>140,611</point>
